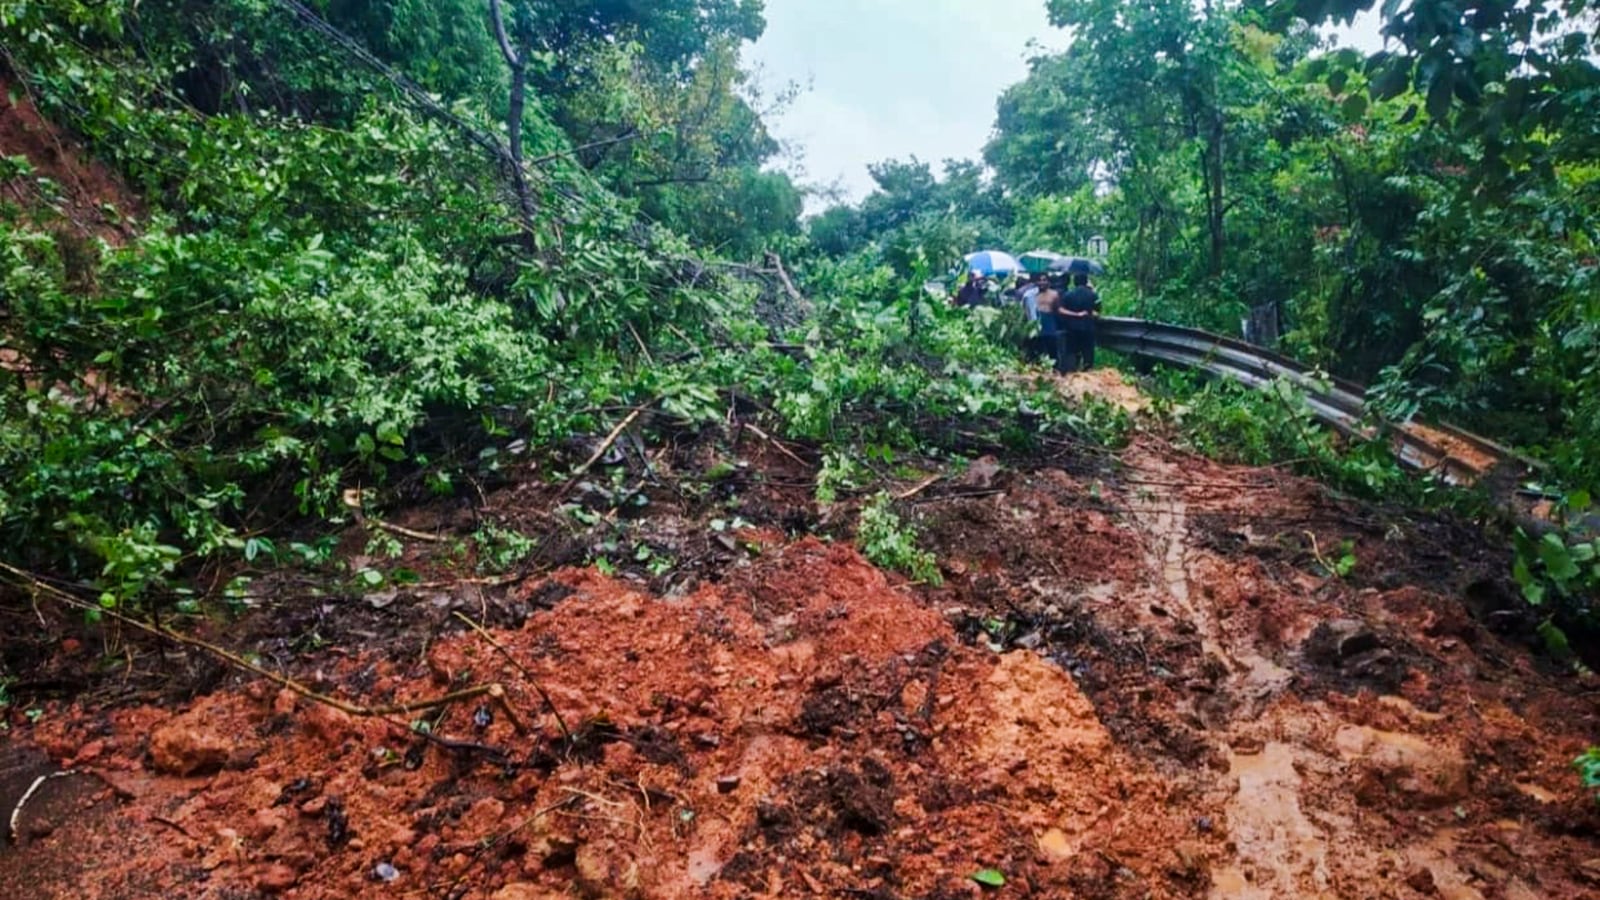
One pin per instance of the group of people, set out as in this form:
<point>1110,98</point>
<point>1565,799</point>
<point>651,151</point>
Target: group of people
<point>1063,307</point>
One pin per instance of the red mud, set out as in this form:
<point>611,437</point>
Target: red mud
<point>1454,448</point>
<point>822,729</point>
<point>88,200</point>
<point>1140,679</point>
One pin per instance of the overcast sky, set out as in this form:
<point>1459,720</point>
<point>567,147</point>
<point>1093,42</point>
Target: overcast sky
<point>891,79</point>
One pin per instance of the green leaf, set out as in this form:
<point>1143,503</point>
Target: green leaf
<point>1555,640</point>
<point>992,878</point>
<point>1520,572</point>
<point>389,433</point>
<point>1534,593</point>
<point>1579,501</point>
<point>1557,558</point>
<point>1392,80</point>
<point>1355,105</point>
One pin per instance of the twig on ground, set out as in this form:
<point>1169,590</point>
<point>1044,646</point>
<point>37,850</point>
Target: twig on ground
<point>492,842</point>
<point>964,495</point>
<point>492,581</point>
<point>174,825</point>
<point>407,532</point>
<point>16,811</point>
<point>921,486</point>
<point>566,733</point>
<point>600,451</point>
<point>238,661</point>
<point>774,442</point>
<point>642,348</point>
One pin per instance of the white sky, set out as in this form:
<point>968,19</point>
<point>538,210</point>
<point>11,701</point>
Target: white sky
<point>891,79</point>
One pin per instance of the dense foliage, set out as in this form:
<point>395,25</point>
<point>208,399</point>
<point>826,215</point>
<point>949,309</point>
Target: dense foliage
<point>1426,220</point>
<point>341,287</point>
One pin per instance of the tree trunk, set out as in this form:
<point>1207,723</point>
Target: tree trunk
<point>519,102</point>
<point>1216,195</point>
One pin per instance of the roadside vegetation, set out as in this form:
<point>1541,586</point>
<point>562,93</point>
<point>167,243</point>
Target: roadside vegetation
<point>338,259</point>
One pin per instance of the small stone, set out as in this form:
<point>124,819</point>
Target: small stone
<point>1421,881</point>
<point>284,703</point>
<point>276,878</point>
<point>727,784</point>
<point>1590,869</point>
<point>1247,746</point>
<point>184,749</point>
<point>521,891</point>
<point>264,824</point>
<point>1204,824</point>
<point>314,807</point>
<point>1033,640</point>
<point>1332,643</point>
<point>385,873</point>
<point>483,818</point>
<point>330,725</point>
<point>1054,846</point>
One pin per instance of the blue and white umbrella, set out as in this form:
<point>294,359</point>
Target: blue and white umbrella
<point>993,262</point>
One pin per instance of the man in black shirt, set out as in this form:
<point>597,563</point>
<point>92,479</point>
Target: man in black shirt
<point>1076,314</point>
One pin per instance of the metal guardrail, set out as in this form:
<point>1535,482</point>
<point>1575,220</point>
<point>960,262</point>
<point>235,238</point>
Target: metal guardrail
<point>1337,402</point>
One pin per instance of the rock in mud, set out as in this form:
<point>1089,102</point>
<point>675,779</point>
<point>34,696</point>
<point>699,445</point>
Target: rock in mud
<point>1590,869</point>
<point>1385,763</point>
<point>1055,847</point>
<point>520,891</point>
<point>1339,641</point>
<point>276,878</point>
<point>605,871</point>
<point>184,748</point>
<point>1421,881</point>
<point>483,819</point>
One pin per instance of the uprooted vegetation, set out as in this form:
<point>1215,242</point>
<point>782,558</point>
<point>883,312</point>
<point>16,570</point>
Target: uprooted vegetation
<point>1141,675</point>
<point>390,510</point>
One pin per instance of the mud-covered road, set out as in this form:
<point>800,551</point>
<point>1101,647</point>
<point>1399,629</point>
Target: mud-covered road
<point>1142,677</point>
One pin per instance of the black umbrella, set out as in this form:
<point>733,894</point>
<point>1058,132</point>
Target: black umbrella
<point>1077,265</point>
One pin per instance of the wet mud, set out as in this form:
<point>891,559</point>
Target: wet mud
<point>1142,677</point>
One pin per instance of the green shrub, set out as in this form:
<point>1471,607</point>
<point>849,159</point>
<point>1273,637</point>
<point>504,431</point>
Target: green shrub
<point>892,544</point>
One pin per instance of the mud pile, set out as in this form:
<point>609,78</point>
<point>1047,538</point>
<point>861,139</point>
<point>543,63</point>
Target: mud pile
<point>1151,676</point>
<point>809,730</point>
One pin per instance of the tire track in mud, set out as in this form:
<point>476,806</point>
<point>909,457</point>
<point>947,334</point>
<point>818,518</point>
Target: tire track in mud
<point>1283,850</point>
<point>1331,782</point>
